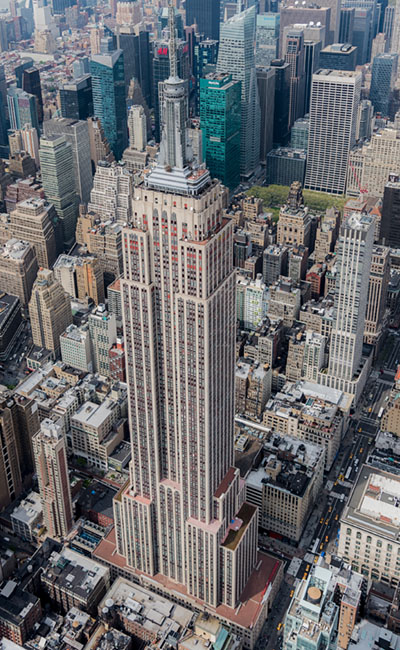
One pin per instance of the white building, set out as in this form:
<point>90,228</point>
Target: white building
<point>314,355</point>
<point>371,163</point>
<point>251,301</point>
<point>76,348</point>
<point>353,266</point>
<point>370,526</point>
<point>137,127</point>
<point>112,193</point>
<point>26,517</point>
<point>335,96</point>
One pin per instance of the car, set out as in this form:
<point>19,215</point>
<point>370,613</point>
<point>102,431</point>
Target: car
<point>321,546</point>
<point>361,450</point>
<point>351,456</point>
<point>360,429</point>
<point>330,509</point>
<point>291,593</point>
<point>321,521</point>
<point>279,627</point>
<point>336,517</point>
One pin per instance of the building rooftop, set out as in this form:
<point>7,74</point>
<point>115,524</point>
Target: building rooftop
<point>238,526</point>
<point>368,635</point>
<point>7,306</point>
<point>155,613</point>
<point>28,509</point>
<point>339,48</point>
<point>97,497</point>
<point>93,415</point>
<point>374,503</point>
<point>15,603</point>
<point>74,572</point>
<point>15,249</point>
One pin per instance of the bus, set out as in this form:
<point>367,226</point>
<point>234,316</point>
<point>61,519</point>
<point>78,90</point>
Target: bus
<point>380,412</point>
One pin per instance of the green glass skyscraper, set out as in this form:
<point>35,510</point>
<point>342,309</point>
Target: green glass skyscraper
<point>220,102</point>
<point>108,88</point>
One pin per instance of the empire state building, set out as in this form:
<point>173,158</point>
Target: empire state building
<point>182,516</point>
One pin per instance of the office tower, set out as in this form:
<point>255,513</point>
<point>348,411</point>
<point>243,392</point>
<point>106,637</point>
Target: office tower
<point>109,95</point>
<point>58,178</point>
<point>128,13</point>
<point>135,44</point>
<point>10,472</point>
<point>96,34</point>
<point>22,108</point>
<point>81,67</point>
<point>302,14</point>
<point>293,51</point>
<point>338,56</point>
<point>160,72</point>
<point>49,311</point>
<point>104,240</point>
<point>21,165</point>
<point>266,94</point>
<point>103,335</point>
<point>168,521</point>
<point>362,34</point>
<point>76,349</point>
<point>335,97</point>
<point>76,99</point>
<point>43,18</point>
<point>299,133</point>
<point>365,115</point>
<point>31,84</point>
<point>390,224</point>
<point>80,277</point>
<point>377,295</point>
<point>220,106</point>
<point>112,193</point>
<point>25,63</point>
<point>18,269</point>
<point>275,259</point>
<point>388,24</point>
<point>353,266</point>
<point>76,132</point>
<point>236,57</point>
<point>379,45</point>
<point>267,38</point>
<point>285,165</point>
<point>33,220</point>
<point>383,79</point>
<point>395,41</point>
<point>205,14</point>
<point>50,453</point>
<point>30,143</point>
<point>99,146</point>
<point>371,163</point>
<point>137,128</point>
<point>346,24</point>
<point>282,96</point>
<point>312,53</point>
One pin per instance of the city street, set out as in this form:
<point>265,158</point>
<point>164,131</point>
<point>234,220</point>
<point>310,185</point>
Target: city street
<point>321,532</point>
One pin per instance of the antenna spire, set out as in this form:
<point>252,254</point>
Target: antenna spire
<point>239,6</point>
<point>172,42</point>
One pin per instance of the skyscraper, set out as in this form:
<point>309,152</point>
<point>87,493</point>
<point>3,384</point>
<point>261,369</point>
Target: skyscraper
<point>266,93</point>
<point>50,454</point>
<point>34,221</point>
<point>22,108</point>
<point>312,52</point>
<point>76,99</point>
<point>282,96</point>
<point>31,84</point>
<point>236,57</point>
<point>205,14</point>
<point>353,265</point>
<point>58,178</point>
<point>137,127</point>
<point>49,311</point>
<point>109,97</point>
<point>267,38</point>
<point>335,97</point>
<point>220,104</point>
<point>76,132</point>
<point>384,75</point>
<point>346,24</point>
<point>134,42</point>
<point>390,225</point>
<point>293,50</point>
<point>177,518</point>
